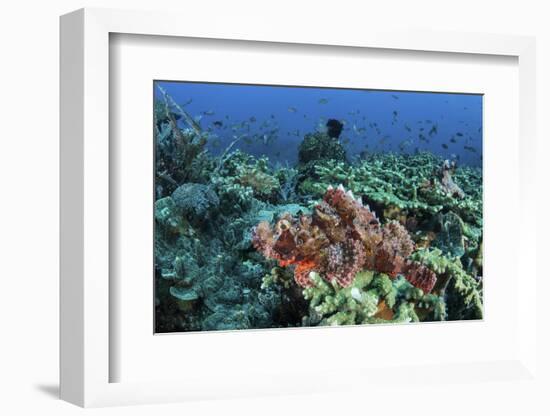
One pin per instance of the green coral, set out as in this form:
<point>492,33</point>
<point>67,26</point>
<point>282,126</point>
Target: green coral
<point>360,303</point>
<point>404,181</point>
<point>330,304</point>
<point>462,291</point>
<point>372,298</point>
<point>278,276</point>
<point>247,176</point>
<point>317,148</point>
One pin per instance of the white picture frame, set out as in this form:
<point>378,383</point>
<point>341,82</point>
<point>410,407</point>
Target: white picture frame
<point>86,354</point>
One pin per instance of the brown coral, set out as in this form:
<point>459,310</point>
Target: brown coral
<point>341,238</point>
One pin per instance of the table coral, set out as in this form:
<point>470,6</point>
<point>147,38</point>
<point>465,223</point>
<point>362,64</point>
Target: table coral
<point>339,239</point>
<point>415,183</point>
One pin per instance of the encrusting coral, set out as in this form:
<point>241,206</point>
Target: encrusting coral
<point>339,239</point>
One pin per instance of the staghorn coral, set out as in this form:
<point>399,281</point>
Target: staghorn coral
<point>372,298</point>
<point>256,177</point>
<point>317,148</point>
<point>251,177</point>
<point>405,184</point>
<point>460,289</point>
<point>340,238</point>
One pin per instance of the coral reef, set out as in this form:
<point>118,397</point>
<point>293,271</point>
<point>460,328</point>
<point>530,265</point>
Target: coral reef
<point>407,183</point>
<point>371,298</point>
<point>196,201</point>
<point>315,148</point>
<point>462,291</point>
<point>241,242</point>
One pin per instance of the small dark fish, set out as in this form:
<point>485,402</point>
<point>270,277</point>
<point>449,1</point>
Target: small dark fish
<point>428,121</point>
<point>323,101</point>
<point>218,123</point>
<point>252,119</point>
<point>408,128</point>
<point>394,113</point>
<point>479,130</point>
<point>470,149</point>
<point>227,117</point>
<point>208,113</point>
<point>444,146</point>
<point>395,97</point>
<point>423,138</point>
<point>421,129</point>
<point>452,140</point>
<point>334,128</point>
<point>433,130</point>
<point>404,145</point>
<point>272,116</point>
<point>459,134</point>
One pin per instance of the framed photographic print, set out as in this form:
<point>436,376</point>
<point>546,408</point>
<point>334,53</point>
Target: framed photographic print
<point>317,214</point>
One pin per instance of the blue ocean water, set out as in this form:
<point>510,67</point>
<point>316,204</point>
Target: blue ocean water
<point>272,120</point>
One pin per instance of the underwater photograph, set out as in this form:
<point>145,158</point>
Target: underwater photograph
<point>288,206</point>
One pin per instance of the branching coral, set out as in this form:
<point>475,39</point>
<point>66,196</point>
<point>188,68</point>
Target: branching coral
<point>180,153</point>
<point>460,289</point>
<point>413,183</point>
<point>245,177</point>
<point>372,298</point>
<point>340,238</point>
<point>256,176</point>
